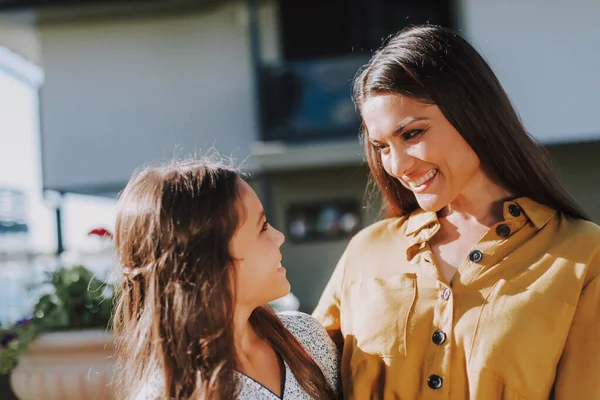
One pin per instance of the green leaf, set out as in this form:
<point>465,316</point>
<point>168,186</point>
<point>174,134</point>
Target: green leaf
<point>77,300</point>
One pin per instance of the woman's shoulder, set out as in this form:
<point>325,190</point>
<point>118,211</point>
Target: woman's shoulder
<point>580,228</point>
<point>580,239</point>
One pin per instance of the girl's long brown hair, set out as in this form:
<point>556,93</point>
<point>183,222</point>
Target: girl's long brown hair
<point>174,316</point>
<point>435,65</point>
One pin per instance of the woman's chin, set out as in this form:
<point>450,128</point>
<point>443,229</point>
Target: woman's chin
<point>430,202</point>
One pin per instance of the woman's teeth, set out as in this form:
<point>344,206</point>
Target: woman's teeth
<point>423,179</point>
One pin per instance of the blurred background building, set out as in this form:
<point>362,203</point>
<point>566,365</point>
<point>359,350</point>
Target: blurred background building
<point>91,90</point>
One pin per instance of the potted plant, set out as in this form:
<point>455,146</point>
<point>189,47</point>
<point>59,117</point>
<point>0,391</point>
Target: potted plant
<point>64,351</point>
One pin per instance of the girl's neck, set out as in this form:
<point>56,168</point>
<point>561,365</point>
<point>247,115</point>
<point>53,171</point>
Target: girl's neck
<point>244,336</point>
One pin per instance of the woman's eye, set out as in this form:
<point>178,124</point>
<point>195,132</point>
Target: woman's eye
<point>379,147</point>
<point>411,134</point>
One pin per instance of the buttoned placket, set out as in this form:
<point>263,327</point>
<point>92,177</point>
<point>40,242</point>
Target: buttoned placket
<point>488,251</point>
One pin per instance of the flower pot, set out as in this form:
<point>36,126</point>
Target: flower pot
<point>71,365</point>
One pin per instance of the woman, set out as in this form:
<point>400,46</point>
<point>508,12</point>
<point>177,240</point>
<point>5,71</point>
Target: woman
<point>483,283</point>
<point>199,262</point>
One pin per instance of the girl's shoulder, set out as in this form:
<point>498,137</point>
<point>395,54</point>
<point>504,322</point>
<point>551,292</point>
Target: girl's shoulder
<point>315,340</point>
<point>301,325</point>
<point>309,332</point>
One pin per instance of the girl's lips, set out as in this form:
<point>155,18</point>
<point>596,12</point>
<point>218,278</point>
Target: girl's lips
<point>280,268</point>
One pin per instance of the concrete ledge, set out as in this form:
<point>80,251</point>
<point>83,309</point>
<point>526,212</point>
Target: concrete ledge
<point>280,156</point>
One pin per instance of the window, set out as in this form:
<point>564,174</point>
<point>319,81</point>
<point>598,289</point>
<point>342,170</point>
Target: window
<point>317,28</point>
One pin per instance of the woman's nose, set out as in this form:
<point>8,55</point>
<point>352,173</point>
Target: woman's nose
<point>400,162</point>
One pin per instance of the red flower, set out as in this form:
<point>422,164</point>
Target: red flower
<point>101,232</point>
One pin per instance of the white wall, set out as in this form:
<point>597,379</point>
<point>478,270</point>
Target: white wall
<point>546,54</point>
<point>122,93</point>
<point>19,34</point>
<point>20,147</point>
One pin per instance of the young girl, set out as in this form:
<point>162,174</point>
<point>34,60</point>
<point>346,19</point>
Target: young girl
<point>200,262</point>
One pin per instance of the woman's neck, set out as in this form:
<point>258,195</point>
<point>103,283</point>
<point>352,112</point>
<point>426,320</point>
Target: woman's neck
<point>481,202</point>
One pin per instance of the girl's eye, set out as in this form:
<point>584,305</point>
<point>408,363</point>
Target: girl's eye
<point>265,226</point>
<point>412,134</point>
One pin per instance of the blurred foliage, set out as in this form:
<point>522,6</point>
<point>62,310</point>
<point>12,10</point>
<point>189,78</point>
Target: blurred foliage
<point>77,300</point>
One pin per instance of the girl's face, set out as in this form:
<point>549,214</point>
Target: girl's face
<point>259,276</point>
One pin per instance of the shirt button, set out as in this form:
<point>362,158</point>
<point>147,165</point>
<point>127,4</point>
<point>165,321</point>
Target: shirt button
<point>475,256</point>
<point>503,231</point>
<point>438,337</point>
<point>434,382</point>
<point>446,294</point>
<point>514,210</point>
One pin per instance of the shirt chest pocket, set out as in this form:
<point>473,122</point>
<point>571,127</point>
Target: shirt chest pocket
<point>519,337</point>
<point>380,309</point>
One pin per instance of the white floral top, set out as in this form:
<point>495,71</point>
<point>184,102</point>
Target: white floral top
<point>315,340</point>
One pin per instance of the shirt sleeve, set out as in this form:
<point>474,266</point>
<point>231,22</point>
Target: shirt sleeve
<point>578,376</point>
<point>328,309</point>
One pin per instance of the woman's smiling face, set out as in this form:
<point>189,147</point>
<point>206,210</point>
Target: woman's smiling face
<point>420,147</point>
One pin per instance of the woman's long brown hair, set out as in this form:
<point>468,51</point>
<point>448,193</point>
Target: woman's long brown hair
<point>174,317</point>
<point>436,66</point>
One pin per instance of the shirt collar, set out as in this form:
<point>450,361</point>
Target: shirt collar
<point>420,219</point>
<point>537,213</point>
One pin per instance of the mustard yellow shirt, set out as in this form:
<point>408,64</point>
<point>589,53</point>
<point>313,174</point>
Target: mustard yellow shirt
<point>520,320</point>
